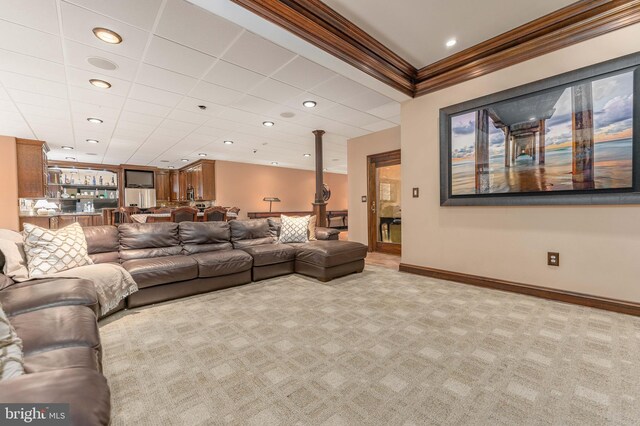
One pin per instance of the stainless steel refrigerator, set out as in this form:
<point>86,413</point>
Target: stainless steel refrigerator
<point>140,197</point>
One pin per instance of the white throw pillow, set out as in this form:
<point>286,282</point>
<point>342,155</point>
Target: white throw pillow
<point>11,358</point>
<point>15,261</point>
<point>49,251</point>
<point>312,228</point>
<point>294,229</point>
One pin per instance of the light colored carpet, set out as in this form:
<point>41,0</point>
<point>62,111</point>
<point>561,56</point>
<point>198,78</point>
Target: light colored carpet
<point>381,347</point>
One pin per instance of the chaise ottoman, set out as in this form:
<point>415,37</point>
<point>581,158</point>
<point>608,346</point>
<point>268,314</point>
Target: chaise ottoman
<point>326,260</point>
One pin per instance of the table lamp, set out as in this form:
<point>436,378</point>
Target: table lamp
<point>271,200</point>
<point>41,206</point>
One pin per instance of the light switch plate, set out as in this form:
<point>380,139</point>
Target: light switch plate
<point>416,192</point>
<point>364,198</point>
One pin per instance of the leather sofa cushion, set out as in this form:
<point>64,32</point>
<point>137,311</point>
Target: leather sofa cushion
<point>269,254</point>
<point>204,232</point>
<point>85,390</point>
<point>72,357</point>
<point>148,235</point>
<point>330,253</point>
<point>242,244</point>
<point>218,263</point>
<point>161,270</point>
<point>57,327</point>
<point>148,253</point>
<point>102,243</point>
<point>49,293</point>
<point>249,229</point>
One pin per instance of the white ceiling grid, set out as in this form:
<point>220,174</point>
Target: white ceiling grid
<point>174,57</point>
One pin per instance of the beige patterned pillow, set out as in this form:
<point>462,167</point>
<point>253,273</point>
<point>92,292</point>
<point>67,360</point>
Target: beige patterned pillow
<point>49,251</point>
<point>294,229</point>
<point>11,359</point>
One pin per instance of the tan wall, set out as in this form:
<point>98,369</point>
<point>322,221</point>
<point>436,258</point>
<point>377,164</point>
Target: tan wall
<point>9,183</point>
<point>599,245</point>
<point>245,185</point>
<point>357,151</point>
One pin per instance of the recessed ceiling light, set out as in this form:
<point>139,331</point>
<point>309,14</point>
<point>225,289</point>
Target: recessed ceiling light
<point>268,123</point>
<point>67,147</point>
<point>306,155</point>
<point>532,118</point>
<point>202,154</point>
<point>452,42</point>
<point>185,160</point>
<point>94,120</point>
<point>91,153</point>
<point>93,141</point>
<point>274,163</point>
<point>107,36</point>
<point>228,142</point>
<point>309,104</point>
<point>171,167</point>
<point>164,161</point>
<point>100,83</point>
<point>202,107</point>
<point>70,158</point>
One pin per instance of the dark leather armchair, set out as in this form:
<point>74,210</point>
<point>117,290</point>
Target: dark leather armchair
<point>215,214</point>
<point>184,214</point>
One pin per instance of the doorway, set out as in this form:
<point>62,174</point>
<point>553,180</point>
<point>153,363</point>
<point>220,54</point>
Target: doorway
<point>384,202</point>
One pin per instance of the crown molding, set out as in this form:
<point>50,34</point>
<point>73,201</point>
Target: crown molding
<point>325,28</point>
<point>320,25</point>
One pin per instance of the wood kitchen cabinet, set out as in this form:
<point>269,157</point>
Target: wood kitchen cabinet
<point>62,220</point>
<point>201,178</point>
<point>32,168</point>
<point>174,186</point>
<point>163,185</point>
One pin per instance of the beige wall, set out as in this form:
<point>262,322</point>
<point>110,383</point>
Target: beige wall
<point>9,183</point>
<point>357,151</point>
<point>245,185</point>
<point>599,245</point>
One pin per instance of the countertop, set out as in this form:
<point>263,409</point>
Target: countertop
<point>24,214</point>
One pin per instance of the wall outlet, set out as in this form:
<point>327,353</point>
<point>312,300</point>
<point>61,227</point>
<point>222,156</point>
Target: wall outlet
<point>553,258</point>
<point>364,198</point>
<point>416,192</point>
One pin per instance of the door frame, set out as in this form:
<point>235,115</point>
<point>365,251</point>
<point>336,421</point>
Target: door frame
<point>389,158</point>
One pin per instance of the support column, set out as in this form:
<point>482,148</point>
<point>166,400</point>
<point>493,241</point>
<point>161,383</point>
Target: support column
<point>533,147</point>
<point>583,143</point>
<point>541,141</point>
<point>319,205</point>
<point>507,146</point>
<point>482,151</point>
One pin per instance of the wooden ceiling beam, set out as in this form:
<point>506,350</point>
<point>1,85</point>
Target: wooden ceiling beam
<point>317,23</point>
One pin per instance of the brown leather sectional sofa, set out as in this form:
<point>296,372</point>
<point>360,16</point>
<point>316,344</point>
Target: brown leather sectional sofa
<point>57,318</point>
<point>57,322</point>
<point>171,260</point>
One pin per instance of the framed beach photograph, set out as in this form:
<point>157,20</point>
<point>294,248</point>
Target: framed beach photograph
<point>569,139</point>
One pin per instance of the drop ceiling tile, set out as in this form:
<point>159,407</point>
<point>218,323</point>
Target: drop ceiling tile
<point>81,127</point>
<point>191,105</point>
<point>41,15</point>
<point>303,74</point>
<point>30,111</point>
<point>174,57</point>
<point>255,105</point>
<point>95,97</point>
<point>30,98</point>
<point>18,129</point>
<point>27,41</point>
<point>380,125</point>
<point>7,106</point>
<point>322,104</point>
<point>395,119</point>
<point>232,76</point>
<point>135,117</point>
<point>389,110</point>
<point>366,100</point>
<point>77,55</point>
<point>78,23</point>
<point>188,117</point>
<point>275,91</point>
<point>351,116</point>
<point>178,127</point>
<point>255,53</point>
<point>30,66</point>
<point>338,89</point>
<point>154,96</point>
<point>139,13</point>
<point>142,107</point>
<point>126,130</point>
<point>10,116</point>
<point>31,84</point>
<point>213,93</point>
<point>83,110</point>
<point>80,78</point>
<point>164,79</point>
<point>207,32</point>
